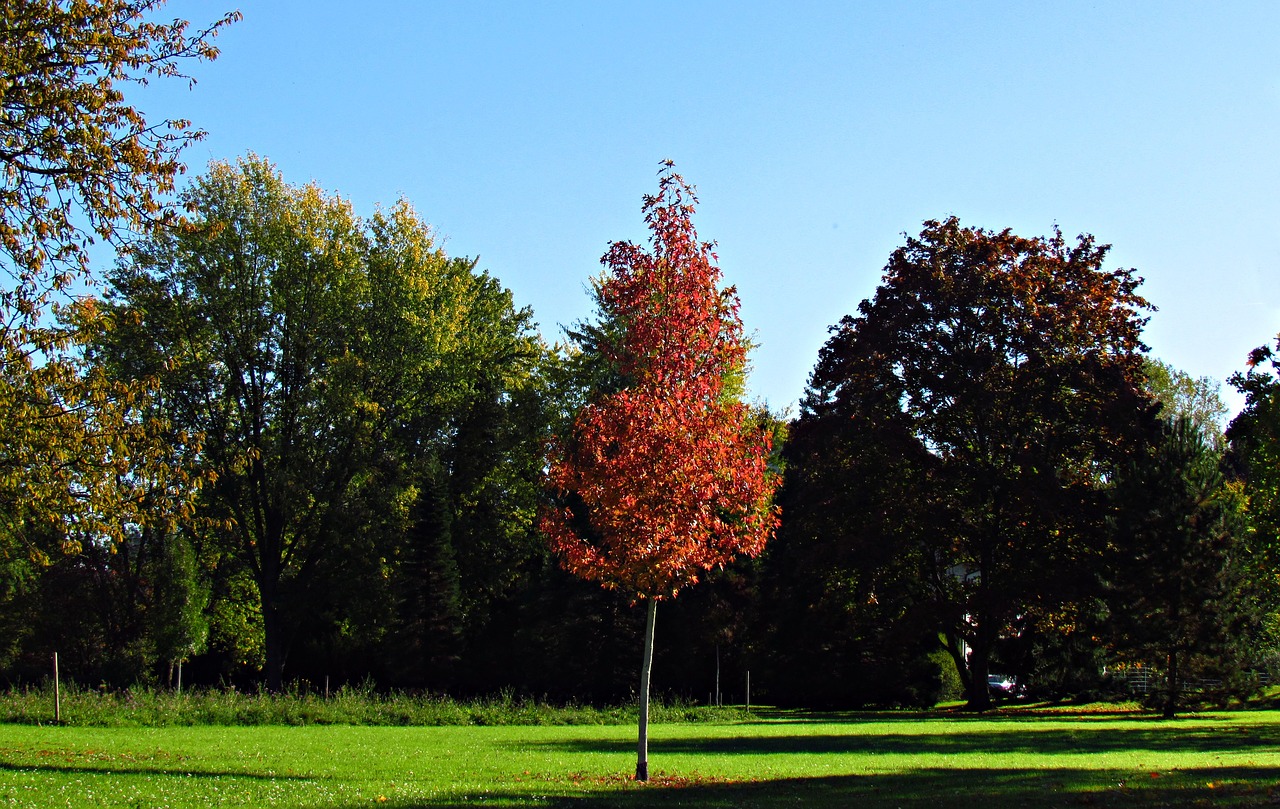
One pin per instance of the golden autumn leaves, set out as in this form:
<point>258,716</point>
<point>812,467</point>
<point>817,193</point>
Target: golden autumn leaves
<point>667,477</point>
<point>82,455</point>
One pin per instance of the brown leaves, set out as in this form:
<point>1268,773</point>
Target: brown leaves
<point>80,455</point>
<point>72,150</point>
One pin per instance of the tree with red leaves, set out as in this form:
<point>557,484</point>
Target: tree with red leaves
<point>663,473</point>
<point>982,400</point>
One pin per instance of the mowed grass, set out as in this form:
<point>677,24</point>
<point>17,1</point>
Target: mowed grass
<point>877,760</point>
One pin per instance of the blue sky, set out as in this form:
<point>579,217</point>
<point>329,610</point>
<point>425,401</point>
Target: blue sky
<point>817,133</point>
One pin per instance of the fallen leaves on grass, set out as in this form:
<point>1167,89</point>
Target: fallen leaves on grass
<point>659,779</point>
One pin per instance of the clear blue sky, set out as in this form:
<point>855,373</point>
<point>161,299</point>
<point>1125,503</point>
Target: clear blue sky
<point>817,133</point>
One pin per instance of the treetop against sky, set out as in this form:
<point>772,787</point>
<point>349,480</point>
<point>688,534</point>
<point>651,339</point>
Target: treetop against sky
<point>817,137</point>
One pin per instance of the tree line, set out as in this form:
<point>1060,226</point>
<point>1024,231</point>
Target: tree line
<point>278,442</point>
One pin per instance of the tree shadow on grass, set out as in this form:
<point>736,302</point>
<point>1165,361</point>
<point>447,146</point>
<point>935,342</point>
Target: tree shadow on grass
<point>1008,712</point>
<point>933,788</point>
<point>1032,740</point>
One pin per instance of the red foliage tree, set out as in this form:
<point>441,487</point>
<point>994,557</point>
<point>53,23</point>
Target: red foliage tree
<point>663,474</point>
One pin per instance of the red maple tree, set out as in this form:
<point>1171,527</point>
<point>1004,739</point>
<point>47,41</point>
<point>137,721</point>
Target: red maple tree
<point>664,473</point>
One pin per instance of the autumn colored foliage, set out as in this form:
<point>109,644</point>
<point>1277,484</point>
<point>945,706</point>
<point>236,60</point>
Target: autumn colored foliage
<point>979,403</point>
<point>667,476</point>
<point>82,457</point>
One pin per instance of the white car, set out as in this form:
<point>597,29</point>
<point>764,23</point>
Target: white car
<point>1000,684</point>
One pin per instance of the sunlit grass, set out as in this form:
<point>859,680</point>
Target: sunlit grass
<point>880,760</point>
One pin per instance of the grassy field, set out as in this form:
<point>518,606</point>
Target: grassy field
<point>876,760</point>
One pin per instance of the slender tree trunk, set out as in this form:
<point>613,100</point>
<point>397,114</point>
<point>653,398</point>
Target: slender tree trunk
<point>1172,686</point>
<point>273,641</point>
<point>979,694</point>
<point>646,665</point>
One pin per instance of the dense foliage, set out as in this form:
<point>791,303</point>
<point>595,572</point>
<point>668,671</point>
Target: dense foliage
<point>331,366</point>
<point>982,395</point>
<point>82,465</point>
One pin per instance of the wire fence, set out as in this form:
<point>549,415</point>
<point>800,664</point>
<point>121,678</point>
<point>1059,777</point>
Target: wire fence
<point>1146,680</point>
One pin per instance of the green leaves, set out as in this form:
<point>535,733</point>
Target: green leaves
<point>320,355</point>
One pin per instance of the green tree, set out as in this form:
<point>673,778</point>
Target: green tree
<point>1181,395</point>
<point>1003,376</point>
<point>1254,457</point>
<point>320,356</point>
<point>1255,441</point>
<point>178,624</point>
<point>1178,589</point>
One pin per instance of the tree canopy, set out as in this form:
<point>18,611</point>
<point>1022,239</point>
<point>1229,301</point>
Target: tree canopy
<point>1005,372</point>
<point>320,356</point>
<point>292,433</point>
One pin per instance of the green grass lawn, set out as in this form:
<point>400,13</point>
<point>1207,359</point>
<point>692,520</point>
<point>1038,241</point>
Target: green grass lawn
<point>876,760</point>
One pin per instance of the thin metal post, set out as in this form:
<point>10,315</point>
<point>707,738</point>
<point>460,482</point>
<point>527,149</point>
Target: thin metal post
<point>57,692</point>
<point>718,703</point>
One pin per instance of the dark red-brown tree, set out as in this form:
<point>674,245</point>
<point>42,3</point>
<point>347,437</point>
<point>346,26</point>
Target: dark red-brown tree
<point>1004,375</point>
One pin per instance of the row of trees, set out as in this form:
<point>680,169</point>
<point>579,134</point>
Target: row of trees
<point>289,442</point>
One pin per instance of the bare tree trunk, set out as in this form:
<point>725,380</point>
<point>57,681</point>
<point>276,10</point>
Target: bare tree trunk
<point>272,636</point>
<point>979,694</point>
<point>642,746</point>
<point>1172,686</point>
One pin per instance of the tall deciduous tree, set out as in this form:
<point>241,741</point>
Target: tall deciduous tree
<point>319,355</point>
<point>663,475</point>
<point>1005,374</point>
<point>1181,395</point>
